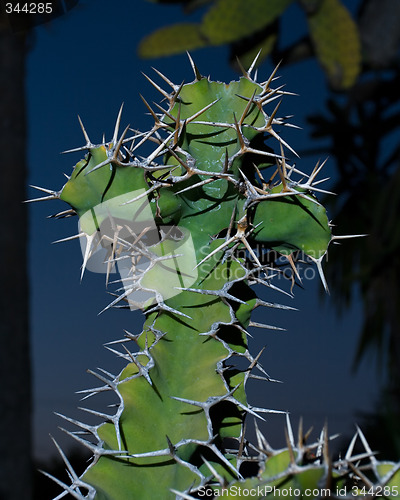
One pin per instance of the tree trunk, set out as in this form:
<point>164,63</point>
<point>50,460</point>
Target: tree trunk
<point>15,371</point>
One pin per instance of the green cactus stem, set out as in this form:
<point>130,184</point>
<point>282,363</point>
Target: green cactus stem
<point>190,228</point>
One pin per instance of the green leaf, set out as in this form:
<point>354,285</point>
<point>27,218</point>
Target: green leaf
<point>231,20</point>
<point>336,41</point>
<point>172,40</point>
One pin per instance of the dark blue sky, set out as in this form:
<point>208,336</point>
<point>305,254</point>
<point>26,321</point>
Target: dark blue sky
<point>85,63</point>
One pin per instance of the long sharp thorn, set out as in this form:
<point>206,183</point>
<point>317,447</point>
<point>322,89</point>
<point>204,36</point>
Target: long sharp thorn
<point>325,449</point>
<point>316,171</point>
<point>347,236</point>
<point>300,435</point>
<point>85,134</point>
<point>350,449</point>
<point>366,445</point>
<point>318,262</point>
<point>217,476</point>
<point>251,251</point>
<point>313,188</point>
<point>226,162</point>
<point>81,425</point>
<point>118,299</point>
<point>281,141</point>
<point>239,134</point>
<point>117,124</point>
<point>198,184</point>
<point>65,213</point>
<point>225,460</point>
<point>289,430</point>
<point>42,198</point>
<point>65,459</point>
<point>196,72</point>
<point>198,113</point>
<point>163,92</point>
<point>244,72</point>
<point>228,242</point>
<point>281,168</point>
<point>97,167</point>
<point>177,125</point>
<point>261,152</point>
<point>231,222</point>
<point>322,276</point>
<point>293,266</point>
<point>166,80</point>
<point>165,112</point>
<point>320,181</point>
<point>253,63</point>
<point>44,190</point>
<point>260,302</point>
<point>184,165</point>
<point>268,82</point>
<point>255,360</point>
<point>69,238</point>
<point>157,151</point>
<point>176,94</point>
<point>88,251</point>
<point>74,150</point>
<point>65,487</point>
<point>246,109</point>
<point>272,116</point>
<point>267,327</point>
<point>155,117</point>
<point>120,141</point>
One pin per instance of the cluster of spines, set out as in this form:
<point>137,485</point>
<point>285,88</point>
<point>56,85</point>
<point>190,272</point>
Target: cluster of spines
<point>87,435</point>
<point>342,478</point>
<point>356,469</point>
<point>119,154</point>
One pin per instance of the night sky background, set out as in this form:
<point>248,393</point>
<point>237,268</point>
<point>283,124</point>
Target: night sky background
<point>86,63</point>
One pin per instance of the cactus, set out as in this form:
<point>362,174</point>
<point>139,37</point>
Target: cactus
<point>209,212</point>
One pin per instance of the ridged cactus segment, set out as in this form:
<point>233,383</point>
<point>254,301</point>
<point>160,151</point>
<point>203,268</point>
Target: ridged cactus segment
<point>193,222</point>
<point>94,197</point>
<point>153,420</point>
<point>188,400</point>
<point>292,223</point>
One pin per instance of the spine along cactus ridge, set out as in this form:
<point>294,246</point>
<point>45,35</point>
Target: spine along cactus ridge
<point>209,212</point>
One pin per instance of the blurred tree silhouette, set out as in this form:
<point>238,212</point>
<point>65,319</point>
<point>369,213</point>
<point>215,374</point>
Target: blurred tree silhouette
<point>15,368</point>
<point>15,376</point>
<point>361,62</point>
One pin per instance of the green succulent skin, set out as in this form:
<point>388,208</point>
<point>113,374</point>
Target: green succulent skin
<point>181,401</point>
<point>306,226</point>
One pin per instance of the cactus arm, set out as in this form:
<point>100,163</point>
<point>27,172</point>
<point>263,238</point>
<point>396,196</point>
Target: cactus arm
<point>201,217</point>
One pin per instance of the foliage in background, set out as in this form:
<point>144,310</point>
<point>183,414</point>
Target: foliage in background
<point>250,25</point>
